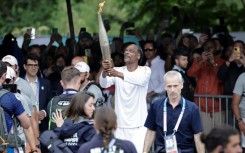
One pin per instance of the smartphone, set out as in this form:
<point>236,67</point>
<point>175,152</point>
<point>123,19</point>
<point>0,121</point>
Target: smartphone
<point>31,32</point>
<point>205,48</point>
<point>130,32</point>
<point>88,52</point>
<point>54,30</point>
<point>237,49</point>
<point>129,25</point>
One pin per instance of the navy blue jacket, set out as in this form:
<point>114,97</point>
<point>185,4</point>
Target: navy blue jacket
<point>97,143</point>
<point>45,94</point>
<point>75,134</point>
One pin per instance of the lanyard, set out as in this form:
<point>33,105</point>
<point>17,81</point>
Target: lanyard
<point>165,117</point>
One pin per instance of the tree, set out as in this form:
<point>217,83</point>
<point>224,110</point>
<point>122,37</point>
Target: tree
<point>17,15</point>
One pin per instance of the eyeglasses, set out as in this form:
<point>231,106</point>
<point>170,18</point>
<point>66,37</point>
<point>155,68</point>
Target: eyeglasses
<point>33,65</point>
<point>148,49</point>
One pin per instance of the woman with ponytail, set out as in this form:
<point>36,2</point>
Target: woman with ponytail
<point>104,142</point>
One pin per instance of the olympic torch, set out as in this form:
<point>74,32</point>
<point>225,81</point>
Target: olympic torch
<point>104,42</point>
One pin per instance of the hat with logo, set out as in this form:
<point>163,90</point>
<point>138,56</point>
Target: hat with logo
<point>10,59</point>
<point>10,74</point>
<point>82,67</point>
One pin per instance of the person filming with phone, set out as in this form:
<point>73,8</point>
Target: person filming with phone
<point>230,71</point>
<point>205,69</point>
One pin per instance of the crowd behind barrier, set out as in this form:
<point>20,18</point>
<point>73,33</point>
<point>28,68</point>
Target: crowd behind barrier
<point>209,59</point>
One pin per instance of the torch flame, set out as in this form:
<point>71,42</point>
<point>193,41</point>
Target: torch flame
<point>101,6</point>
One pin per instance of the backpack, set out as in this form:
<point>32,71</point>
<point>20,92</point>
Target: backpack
<point>53,143</point>
<point>100,100</point>
<point>8,139</point>
<point>57,103</point>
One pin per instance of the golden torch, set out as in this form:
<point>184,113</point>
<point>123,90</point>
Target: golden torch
<point>104,42</point>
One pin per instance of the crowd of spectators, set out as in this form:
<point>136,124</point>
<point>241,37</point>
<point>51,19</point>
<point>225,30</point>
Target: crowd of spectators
<point>209,65</point>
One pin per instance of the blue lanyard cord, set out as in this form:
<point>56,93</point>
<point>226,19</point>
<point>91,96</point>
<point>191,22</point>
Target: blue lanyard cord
<point>165,117</point>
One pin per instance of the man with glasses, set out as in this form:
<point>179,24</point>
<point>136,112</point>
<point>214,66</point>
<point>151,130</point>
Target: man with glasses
<point>41,88</point>
<point>156,85</point>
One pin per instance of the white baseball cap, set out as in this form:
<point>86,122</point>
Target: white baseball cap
<point>82,67</point>
<point>10,59</point>
<point>10,74</point>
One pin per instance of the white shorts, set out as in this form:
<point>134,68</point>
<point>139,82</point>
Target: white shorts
<point>135,135</point>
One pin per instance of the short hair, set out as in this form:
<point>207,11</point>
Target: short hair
<point>106,122</point>
<point>76,106</point>
<point>32,57</point>
<point>69,74</point>
<point>139,50</point>
<point>218,136</point>
<point>34,46</point>
<point>3,68</point>
<point>151,42</point>
<point>180,52</point>
<point>239,41</point>
<point>173,73</point>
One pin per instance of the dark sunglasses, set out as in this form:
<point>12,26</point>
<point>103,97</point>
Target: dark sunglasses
<point>148,49</point>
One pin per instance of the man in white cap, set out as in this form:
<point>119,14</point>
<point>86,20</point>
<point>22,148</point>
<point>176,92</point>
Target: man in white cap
<point>25,89</point>
<point>87,85</point>
<point>27,105</point>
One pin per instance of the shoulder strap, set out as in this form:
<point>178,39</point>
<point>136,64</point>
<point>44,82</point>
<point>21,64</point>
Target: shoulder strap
<point>3,129</point>
<point>88,85</point>
<point>3,92</point>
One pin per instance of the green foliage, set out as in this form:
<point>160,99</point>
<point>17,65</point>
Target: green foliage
<point>17,15</point>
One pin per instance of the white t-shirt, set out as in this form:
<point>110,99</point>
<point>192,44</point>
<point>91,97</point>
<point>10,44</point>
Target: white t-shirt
<point>130,95</point>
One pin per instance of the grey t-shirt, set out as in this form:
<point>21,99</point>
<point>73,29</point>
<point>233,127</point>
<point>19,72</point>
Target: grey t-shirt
<point>97,93</point>
<point>240,90</point>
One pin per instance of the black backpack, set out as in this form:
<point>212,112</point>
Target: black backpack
<point>57,103</point>
<point>8,139</point>
<point>53,143</point>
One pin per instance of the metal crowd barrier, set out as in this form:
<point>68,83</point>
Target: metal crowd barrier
<point>224,115</point>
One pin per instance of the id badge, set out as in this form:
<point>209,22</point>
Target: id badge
<point>171,144</point>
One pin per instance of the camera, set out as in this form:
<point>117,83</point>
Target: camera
<point>10,87</point>
<point>237,49</point>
